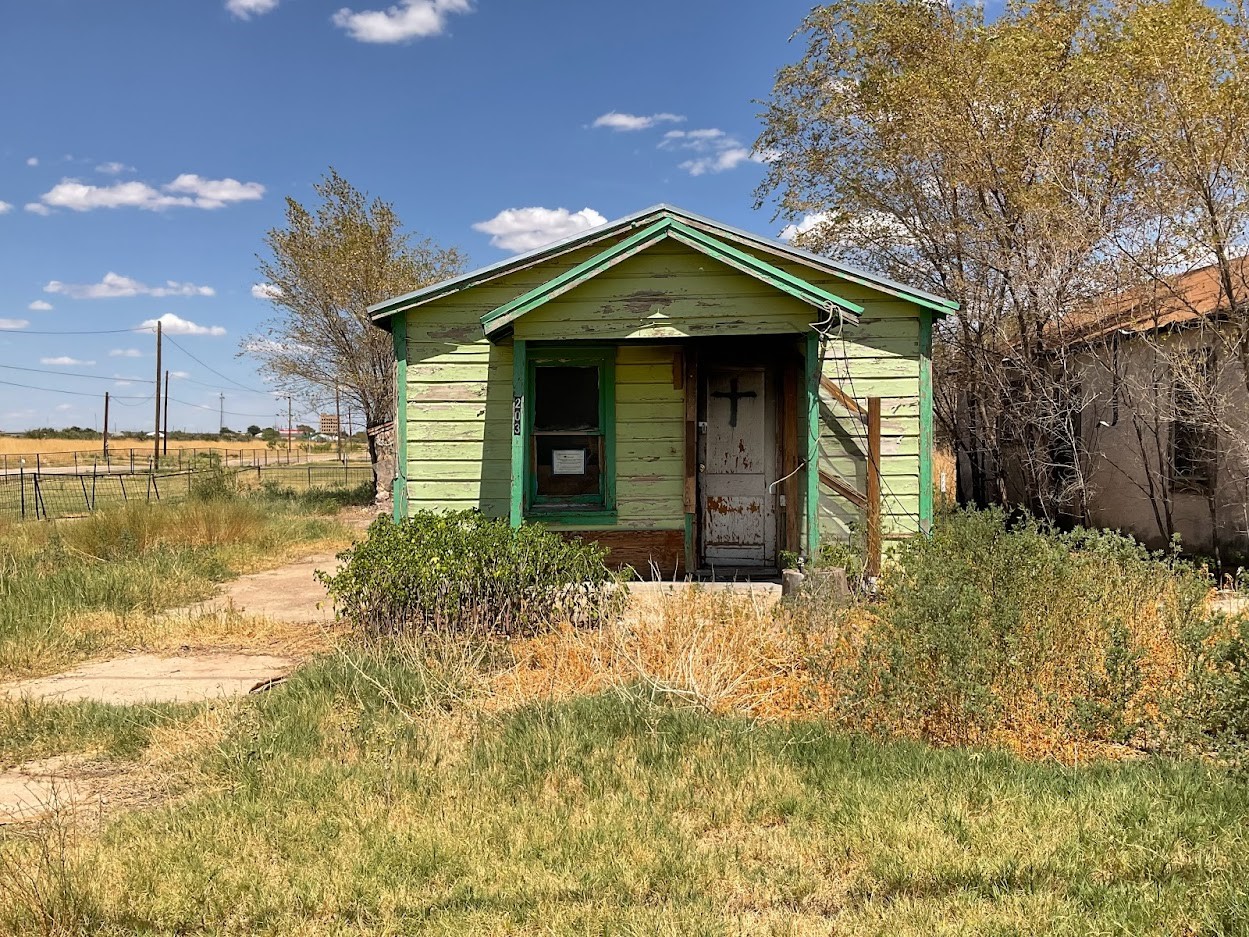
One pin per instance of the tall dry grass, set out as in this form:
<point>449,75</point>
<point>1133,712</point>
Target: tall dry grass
<point>11,445</point>
<point>1050,645</point>
<point>71,589</point>
<point>718,651</point>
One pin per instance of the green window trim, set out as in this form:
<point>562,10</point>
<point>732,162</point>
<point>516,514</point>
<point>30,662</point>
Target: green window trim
<point>593,508</point>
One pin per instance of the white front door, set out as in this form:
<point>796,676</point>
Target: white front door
<point>737,465</point>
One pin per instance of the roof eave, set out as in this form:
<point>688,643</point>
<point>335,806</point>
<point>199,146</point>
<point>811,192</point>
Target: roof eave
<point>382,310</point>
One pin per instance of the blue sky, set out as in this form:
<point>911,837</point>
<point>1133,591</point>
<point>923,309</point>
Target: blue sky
<point>148,146</point>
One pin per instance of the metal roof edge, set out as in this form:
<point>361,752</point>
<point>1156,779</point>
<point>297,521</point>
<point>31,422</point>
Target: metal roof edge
<point>382,310</point>
<point>510,264</point>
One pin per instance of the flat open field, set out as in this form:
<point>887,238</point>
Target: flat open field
<point>22,445</point>
<point>20,452</point>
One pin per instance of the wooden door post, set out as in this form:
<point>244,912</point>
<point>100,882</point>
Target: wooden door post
<point>873,545</point>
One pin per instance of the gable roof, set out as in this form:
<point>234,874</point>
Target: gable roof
<point>500,320</point>
<point>641,220</point>
<point>1187,299</point>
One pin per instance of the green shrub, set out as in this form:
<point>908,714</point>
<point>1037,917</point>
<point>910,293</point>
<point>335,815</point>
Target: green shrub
<point>1212,715</point>
<point>996,626</point>
<point>211,480</point>
<point>464,571</point>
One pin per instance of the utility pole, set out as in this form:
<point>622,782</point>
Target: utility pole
<point>290,429</point>
<point>106,426</point>
<point>165,444</point>
<point>221,412</point>
<point>338,424</point>
<point>156,396</point>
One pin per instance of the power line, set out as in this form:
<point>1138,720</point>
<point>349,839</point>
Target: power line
<point>141,328</point>
<point>94,377</point>
<point>57,390</point>
<point>201,406</point>
<point>214,370</point>
<point>191,380</point>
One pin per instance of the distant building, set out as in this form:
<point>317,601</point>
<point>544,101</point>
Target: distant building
<point>330,425</point>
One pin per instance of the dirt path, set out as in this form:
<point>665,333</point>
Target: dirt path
<point>289,593</point>
<point>149,678</point>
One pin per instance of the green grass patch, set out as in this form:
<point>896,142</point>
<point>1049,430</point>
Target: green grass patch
<point>31,729</point>
<point>355,799</point>
<point>136,559</point>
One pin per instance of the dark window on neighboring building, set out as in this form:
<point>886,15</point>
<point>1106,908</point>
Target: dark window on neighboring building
<point>1194,442</point>
<point>1067,444</point>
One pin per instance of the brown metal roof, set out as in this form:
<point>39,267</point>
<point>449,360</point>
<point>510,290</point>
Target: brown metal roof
<point>1187,298</point>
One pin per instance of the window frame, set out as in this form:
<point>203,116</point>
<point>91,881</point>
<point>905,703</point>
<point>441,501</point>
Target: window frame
<point>599,508</point>
<point>1201,441</point>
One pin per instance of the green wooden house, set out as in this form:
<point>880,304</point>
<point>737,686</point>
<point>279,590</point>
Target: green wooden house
<point>694,397</point>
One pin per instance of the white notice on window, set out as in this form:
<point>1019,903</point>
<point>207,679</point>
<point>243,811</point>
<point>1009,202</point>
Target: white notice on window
<point>567,461</point>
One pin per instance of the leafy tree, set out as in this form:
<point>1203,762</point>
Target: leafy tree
<point>1028,165</point>
<point>253,430</point>
<point>324,268</point>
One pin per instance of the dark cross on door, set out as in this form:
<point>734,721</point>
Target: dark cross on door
<point>732,397</point>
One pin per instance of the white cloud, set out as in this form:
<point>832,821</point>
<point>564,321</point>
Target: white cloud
<point>246,9</point>
<point>266,291</point>
<point>113,169</point>
<point>64,361</point>
<point>805,224</point>
<point>720,152</point>
<point>726,159</point>
<point>32,161</point>
<point>14,323</point>
<point>114,285</point>
<point>37,209</point>
<point>618,121</point>
<point>187,191</point>
<point>64,407</point>
<point>692,139</point>
<point>125,353</point>
<point>39,306</point>
<point>175,325</point>
<point>409,19</point>
<point>215,193</point>
<point>522,229</point>
<point>179,374</point>
<point>5,208</point>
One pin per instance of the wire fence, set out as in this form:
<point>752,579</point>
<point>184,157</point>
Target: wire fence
<point>47,495</point>
<point>140,459</point>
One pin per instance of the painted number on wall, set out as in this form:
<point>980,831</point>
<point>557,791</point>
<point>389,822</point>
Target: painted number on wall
<point>518,407</point>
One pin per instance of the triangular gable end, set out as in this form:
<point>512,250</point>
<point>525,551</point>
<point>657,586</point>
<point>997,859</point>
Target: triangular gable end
<point>498,322</point>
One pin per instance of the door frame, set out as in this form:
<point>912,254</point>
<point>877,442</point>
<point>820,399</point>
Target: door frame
<point>780,358</point>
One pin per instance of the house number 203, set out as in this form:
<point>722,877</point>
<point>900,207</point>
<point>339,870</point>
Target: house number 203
<point>518,407</point>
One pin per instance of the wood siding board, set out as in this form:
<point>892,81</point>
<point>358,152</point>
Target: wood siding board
<point>925,422</point>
